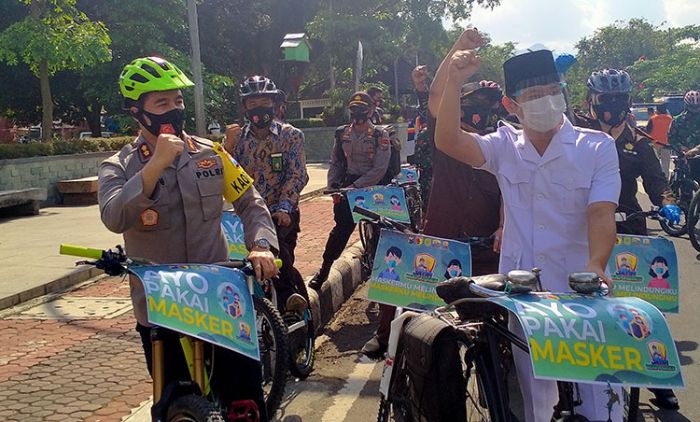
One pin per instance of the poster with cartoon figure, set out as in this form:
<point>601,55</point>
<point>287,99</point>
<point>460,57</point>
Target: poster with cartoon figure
<point>605,340</point>
<point>388,201</point>
<point>407,268</point>
<point>204,301</point>
<point>647,268</point>
<point>408,174</point>
<point>234,234</point>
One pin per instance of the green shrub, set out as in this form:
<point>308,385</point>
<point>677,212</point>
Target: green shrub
<point>62,147</point>
<point>306,123</point>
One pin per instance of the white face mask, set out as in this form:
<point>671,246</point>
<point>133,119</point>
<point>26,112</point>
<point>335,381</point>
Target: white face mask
<point>543,114</point>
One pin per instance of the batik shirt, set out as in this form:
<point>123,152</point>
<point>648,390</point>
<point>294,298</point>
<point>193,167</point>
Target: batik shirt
<point>276,163</point>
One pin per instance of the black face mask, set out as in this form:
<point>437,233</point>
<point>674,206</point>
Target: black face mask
<point>168,122</point>
<point>359,117</point>
<point>612,114</point>
<point>261,116</point>
<point>476,117</point>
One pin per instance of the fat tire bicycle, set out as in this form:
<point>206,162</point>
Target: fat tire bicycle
<point>194,400</point>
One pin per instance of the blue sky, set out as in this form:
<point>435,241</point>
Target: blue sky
<point>558,24</point>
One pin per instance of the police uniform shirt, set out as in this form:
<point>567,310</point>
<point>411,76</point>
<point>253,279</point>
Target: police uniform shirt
<point>366,157</point>
<point>637,159</point>
<point>181,221</point>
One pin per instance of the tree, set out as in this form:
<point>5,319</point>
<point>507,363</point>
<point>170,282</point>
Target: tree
<point>624,44</point>
<point>54,36</point>
<point>388,30</point>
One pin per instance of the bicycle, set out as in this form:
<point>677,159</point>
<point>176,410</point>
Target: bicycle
<point>484,343</point>
<point>683,187</point>
<point>196,399</point>
<point>292,331</point>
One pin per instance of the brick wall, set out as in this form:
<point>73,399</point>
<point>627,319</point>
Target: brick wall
<point>45,172</point>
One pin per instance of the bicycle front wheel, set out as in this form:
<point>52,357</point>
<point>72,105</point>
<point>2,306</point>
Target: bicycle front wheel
<point>272,336</point>
<point>193,408</point>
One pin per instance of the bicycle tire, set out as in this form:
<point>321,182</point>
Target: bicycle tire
<point>693,220</point>
<point>301,344</point>
<point>677,230</point>
<point>274,351</point>
<point>193,408</point>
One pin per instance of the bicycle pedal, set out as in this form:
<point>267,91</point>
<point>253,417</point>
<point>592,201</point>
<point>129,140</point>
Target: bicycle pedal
<point>244,411</point>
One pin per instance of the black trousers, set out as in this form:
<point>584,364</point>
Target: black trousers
<point>236,377</point>
<point>289,280</point>
<point>340,234</point>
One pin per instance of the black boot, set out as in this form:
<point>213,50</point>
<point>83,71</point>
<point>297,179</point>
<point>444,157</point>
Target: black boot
<point>665,398</point>
<point>319,278</point>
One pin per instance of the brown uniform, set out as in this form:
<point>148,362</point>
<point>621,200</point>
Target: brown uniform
<point>181,221</point>
<point>367,158</point>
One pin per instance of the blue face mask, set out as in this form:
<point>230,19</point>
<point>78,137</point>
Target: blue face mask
<point>454,272</point>
<point>391,263</point>
<point>660,270</point>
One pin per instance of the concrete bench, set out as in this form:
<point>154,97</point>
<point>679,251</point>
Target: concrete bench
<point>22,201</point>
<point>79,191</point>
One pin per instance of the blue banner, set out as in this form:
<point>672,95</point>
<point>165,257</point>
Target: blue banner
<point>387,201</point>
<point>647,268</point>
<point>234,234</point>
<point>407,174</point>
<point>407,268</point>
<point>204,301</point>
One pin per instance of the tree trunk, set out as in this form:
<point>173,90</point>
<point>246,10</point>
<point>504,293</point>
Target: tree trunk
<point>46,102</point>
<point>35,8</point>
<point>92,115</point>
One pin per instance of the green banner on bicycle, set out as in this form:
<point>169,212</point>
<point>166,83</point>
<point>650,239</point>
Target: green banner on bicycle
<point>209,302</point>
<point>647,268</point>
<point>407,267</point>
<point>232,226</point>
<point>597,339</point>
<point>387,201</point>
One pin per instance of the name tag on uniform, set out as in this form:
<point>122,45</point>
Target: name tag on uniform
<point>276,161</point>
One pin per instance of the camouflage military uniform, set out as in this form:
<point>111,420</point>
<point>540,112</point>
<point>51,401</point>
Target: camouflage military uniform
<point>685,130</point>
<point>685,133</point>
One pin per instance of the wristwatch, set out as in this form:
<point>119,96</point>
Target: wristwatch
<point>261,244</point>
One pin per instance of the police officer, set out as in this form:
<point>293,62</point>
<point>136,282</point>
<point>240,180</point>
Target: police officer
<point>609,100</point>
<point>360,158</point>
<point>273,154</point>
<point>164,193</point>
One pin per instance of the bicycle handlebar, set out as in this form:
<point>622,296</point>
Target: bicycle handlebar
<point>109,258</point>
<point>381,220</point>
<point>81,251</point>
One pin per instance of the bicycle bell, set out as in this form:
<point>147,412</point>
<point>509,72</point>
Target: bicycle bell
<point>585,282</point>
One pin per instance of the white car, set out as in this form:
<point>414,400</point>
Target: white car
<point>85,135</point>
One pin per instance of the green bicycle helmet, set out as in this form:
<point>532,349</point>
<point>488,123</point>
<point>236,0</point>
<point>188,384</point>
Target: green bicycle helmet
<point>151,74</point>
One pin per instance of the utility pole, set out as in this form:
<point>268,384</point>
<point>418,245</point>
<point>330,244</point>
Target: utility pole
<point>196,69</point>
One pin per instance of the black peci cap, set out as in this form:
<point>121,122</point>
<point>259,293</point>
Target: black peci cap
<point>529,69</point>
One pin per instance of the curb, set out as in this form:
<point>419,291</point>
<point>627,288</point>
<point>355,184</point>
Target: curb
<point>311,194</point>
<point>68,280</point>
<point>345,276</point>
